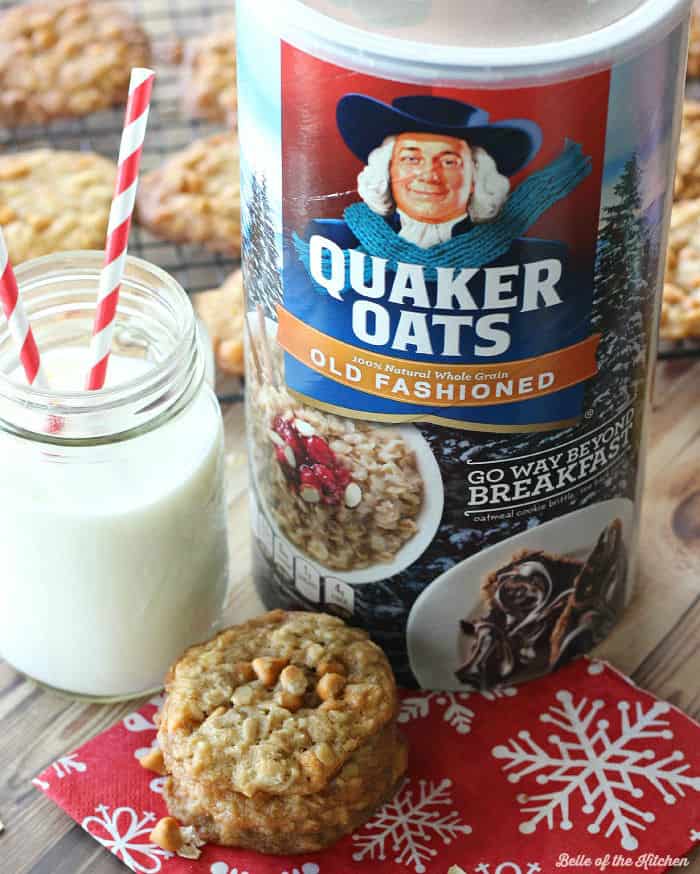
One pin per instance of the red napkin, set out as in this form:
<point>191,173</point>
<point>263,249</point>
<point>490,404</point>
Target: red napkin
<point>577,771</point>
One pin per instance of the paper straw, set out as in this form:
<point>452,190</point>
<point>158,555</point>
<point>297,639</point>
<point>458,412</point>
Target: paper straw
<point>121,211</point>
<point>17,321</point>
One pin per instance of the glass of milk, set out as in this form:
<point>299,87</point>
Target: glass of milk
<point>113,534</point>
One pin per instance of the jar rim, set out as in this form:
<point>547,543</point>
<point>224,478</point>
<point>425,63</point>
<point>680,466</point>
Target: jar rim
<point>153,391</point>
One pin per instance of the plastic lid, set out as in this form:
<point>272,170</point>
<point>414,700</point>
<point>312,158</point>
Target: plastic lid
<point>386,37</point>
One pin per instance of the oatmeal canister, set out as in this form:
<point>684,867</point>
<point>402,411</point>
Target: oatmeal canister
<point>455,221</point>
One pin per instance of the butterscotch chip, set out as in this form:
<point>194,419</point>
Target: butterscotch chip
<point>195,196</point>
<point>64,58</point>
<point>223,312</point>
<point>209,76</point>
<point>258,746</point>
<point>153,761</point>
<point>296,823</point>
<point>166,835</point>
<point>54,201</point>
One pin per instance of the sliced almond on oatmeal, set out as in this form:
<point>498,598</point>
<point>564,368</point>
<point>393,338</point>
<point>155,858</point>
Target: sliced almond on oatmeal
<point>276,439</point>
<point>352,496</point>
<point>305,429</point>
<point>310,494</point>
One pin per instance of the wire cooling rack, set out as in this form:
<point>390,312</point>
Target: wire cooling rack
<point>169,23</point>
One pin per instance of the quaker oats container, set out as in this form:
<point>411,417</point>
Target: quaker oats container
<point>455,221</point>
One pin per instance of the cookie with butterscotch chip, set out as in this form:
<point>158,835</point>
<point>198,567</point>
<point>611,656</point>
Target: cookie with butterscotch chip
<point>276,705</point>
<point>194,197</point>
<point>279,735</point>
<point>66,58</point>
<point>223,312</point>
<point>680,313</point>
<point>54,201</point>
<point>209,76</point>
<point>294,823</point>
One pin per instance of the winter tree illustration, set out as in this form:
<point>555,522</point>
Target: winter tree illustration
<point>261,270</point>
<point>625,284</point>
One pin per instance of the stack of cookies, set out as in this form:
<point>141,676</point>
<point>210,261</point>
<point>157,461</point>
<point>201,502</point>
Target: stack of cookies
<point>280,735</point>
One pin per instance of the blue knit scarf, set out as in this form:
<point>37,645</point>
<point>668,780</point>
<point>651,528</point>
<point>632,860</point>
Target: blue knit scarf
<point>481,245</point>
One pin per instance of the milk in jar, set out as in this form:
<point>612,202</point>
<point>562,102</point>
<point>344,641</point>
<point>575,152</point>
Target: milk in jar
<point>111,503</point>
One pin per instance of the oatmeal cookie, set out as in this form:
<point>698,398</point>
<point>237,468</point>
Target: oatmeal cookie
<point>680,314</point>
<point>54,201</point>
<point>64,58</point>
<point>276,705</point>
<point>223,312</point>
<point>687,184</point>
<point>209,76</point>
<point>294,823</point>
<point>195,196</point>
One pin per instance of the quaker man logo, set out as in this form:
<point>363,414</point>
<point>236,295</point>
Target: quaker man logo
<point>434,167</point>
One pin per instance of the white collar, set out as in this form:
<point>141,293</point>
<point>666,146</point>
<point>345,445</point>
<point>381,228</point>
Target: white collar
<point>426,235</point>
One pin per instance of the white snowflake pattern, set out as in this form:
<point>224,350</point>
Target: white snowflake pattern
<point>223,868</point>
<point>138,722</point>
<point>126,835</point>
<point>306,868</point>
<point>695,835</point>
<point>604,768</point>
<point>62,767</point>
<point>405,827</point>
<point>456,712</point>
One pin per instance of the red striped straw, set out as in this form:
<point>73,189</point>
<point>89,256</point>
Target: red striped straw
<point>17,321</point>
<point>120,214</point>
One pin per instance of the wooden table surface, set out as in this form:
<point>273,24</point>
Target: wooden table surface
<point>658,641</point>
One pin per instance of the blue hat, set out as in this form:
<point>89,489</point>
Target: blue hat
<point>365,123</point>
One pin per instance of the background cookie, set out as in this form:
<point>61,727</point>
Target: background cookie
<point>195,196</point>
<point>687,184</point>
<point>53,201</point>
<point>223,312</point>
<point>680,314</point>
<point>209,76</point>
<point>66,58</point>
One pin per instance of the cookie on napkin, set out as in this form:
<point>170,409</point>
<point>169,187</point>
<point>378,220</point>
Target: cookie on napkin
<point>54,201</point>
<point>223,312</point>
<point>65,58</point>
<point>195,197</point>
<point>209,76</point>
<point>512,781</point>
<point>279,734</point>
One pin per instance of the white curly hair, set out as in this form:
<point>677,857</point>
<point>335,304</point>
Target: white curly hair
<point>491,188</point>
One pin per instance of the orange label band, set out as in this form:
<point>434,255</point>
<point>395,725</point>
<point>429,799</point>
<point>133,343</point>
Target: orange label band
<point>436,385</point>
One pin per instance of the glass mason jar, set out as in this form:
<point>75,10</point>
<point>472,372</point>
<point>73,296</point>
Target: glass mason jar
<point>112,509</point>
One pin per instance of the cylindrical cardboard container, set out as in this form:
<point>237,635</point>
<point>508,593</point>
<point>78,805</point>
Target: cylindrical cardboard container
<point>454,236</point>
